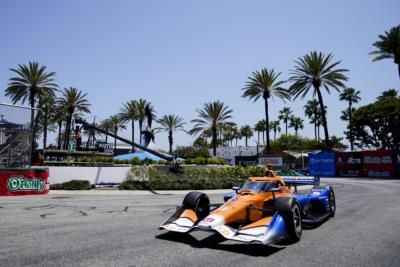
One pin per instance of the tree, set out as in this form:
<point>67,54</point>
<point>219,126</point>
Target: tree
<point>260,127</point>
<point>312,111</point>
<point>200,142</point>
<point>31,82</point>
<point>378,124</point>
<point>296,123</point>
<point>315,71</point>
<point>171,123</point>
<point>351,96</point>
<point>246,132</point>
<point>71,101</point>
<point>265,84</point>
<point>388,46</point>
<point>129,112</point>
<point>211,116</point>
<point>391,93</point>
<point>116,123</point>
<point>107,126</point>
<point>236,135</point>
<point>284,115</point>
<point>46,116</point>
<point>275,126</point>
<point>141,106</point>
<point>227,129</point>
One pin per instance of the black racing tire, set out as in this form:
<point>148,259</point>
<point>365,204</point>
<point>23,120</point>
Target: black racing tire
<point>289,208</point>
<point>198,202</point>
<point>332,202</point>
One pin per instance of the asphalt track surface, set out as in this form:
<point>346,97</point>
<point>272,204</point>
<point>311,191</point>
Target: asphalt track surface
<point>122,230</point>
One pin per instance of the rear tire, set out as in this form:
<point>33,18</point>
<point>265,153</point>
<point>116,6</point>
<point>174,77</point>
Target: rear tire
<point>332,202</point>
<point>290,210</point>
<point>198,202</point>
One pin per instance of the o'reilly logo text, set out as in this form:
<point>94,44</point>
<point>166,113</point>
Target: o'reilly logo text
<point>20,183</point>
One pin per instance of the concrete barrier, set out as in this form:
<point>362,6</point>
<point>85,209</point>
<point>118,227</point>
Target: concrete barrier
<point>95,175</point>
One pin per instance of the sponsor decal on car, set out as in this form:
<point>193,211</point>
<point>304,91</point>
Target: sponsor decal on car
<point>223,230</point>
<point>209,219</point>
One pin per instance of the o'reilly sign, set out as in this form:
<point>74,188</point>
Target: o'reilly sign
<point>20,183</point>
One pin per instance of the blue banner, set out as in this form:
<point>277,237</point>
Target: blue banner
<point>322,164</point>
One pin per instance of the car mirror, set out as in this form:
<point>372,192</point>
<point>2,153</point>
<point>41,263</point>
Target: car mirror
<point>275,189</point>
<point>236,188</point>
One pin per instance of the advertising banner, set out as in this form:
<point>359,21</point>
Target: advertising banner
<point>322,164</point>
<point>379,163</point>
<point>274,161</point>
<point>246,160</point>
<point>349,164</point>
<point>14,182</point>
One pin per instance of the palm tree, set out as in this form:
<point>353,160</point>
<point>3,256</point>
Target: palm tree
<point>351,96</point>
<point>31,82</point>
<point>311,110</point>
<point>207,133</point>
<point>171,123</point>
<point>275,126</point>
<point>265,84</point>
<point>259,127</point>
<point>296,123</point>
<point>116,123</point>
<point>236,135</point>
<point>246,132</point>
<point>129,112</point>
<point>46,116</point>
<point>59,116</point>
<point>284,115</point>
<point>388,46</point>
<point>106,126</point>
<point>229,135</point>
<point>141,106</point>
<point>226,131</point>
<point>211,116</point>
<point>71,101</point>
<point>316,71</point>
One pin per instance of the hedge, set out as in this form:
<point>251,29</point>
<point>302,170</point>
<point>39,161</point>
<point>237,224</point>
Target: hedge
<point>72,185</point>
<point>192,179</point>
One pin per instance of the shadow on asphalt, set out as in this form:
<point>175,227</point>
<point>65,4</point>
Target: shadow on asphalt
<point>214,240</point>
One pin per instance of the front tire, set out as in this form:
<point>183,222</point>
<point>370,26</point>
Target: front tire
<point>332,202</point>
<point>290,210</point>
<point>198,202</point>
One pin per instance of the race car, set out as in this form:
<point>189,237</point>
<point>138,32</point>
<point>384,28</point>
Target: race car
<point>266,210</point>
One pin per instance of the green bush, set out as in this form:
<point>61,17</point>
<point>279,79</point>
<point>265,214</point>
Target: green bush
<point>193,178</point>
<point>135,161</point>
<point>72,185</point>
<point>121,161</point>
<point>205,161</point>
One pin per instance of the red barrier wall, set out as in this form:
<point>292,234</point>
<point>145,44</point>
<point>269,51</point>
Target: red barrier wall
<point>378,163</point>
<point>14,182</point>
<point>349,164</point>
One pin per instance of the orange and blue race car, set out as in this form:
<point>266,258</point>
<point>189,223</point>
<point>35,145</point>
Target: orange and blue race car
<point>266,210</point>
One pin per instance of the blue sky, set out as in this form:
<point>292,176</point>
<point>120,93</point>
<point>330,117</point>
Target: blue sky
<point>181,54</point>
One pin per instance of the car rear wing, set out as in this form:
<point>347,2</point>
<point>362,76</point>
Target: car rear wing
<point>301,180</point>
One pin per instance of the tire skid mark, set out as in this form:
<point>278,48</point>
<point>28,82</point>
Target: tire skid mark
<point>124,210</point>
<point>42,207</point>
<point>44,215</point>
<point>83,213</point>
<point>170,210</point>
